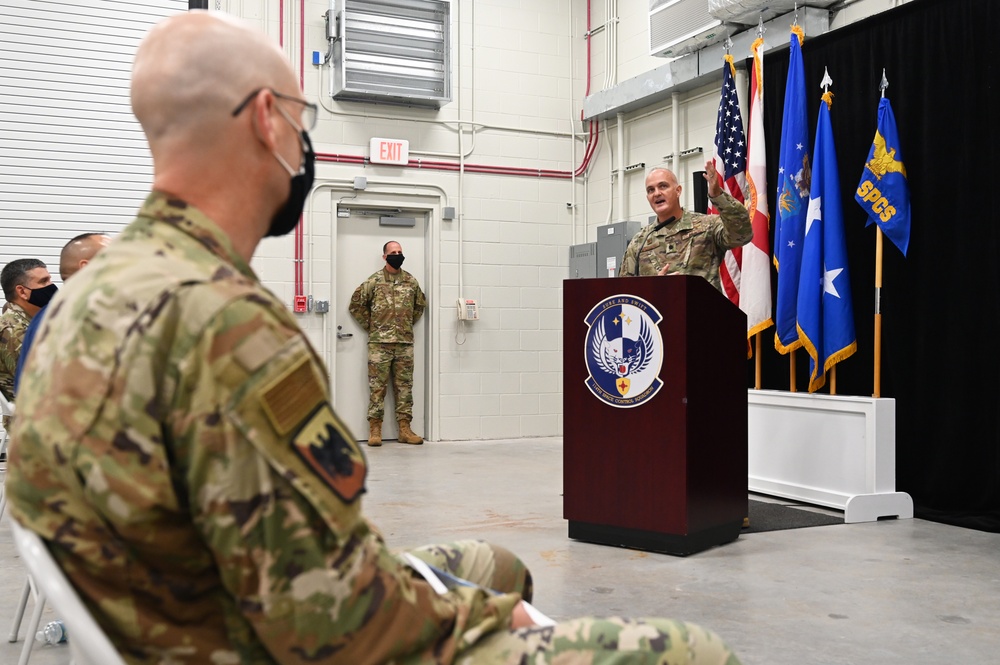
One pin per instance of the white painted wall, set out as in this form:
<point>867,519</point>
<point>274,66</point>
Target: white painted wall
<point>518,78</point>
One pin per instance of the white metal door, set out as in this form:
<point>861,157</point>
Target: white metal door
<point>359,241</point>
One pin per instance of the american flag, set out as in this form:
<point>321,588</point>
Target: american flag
<point>731,162</point>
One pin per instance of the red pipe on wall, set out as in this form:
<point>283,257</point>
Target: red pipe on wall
<point>593,134</point>
<point>300,230</point>
<point>432,165</point>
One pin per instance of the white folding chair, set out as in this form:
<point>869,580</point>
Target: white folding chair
<point>36,618</point>
<point>6,409</point>
<point>87,642</point>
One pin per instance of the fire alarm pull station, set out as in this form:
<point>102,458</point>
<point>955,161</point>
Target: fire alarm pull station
<point>468,310</point>
<point>301,304</point>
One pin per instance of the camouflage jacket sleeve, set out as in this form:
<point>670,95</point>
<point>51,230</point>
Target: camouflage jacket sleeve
<point>361,302</point>
<point>275,488</point>
<point>735,229</point>
<point>419,302</point>
<point>627,268</point>
<point>11,338</point>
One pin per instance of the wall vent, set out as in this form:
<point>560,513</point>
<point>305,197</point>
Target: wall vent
<point>393,51</point>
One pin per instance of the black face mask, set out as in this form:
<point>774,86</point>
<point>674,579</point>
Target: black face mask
<point>395,260</point>
<point>40,297</point>
<point>286,219</point>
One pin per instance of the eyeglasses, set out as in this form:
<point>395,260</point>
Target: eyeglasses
<point>309,109</point>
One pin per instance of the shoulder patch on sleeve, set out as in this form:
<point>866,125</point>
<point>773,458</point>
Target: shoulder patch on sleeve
<point>335,459</point>
<point>292,396</point>
<point>257,349</point>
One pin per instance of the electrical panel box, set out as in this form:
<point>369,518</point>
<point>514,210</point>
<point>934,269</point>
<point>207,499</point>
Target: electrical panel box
<point>583,261</point>
<point>612,239</point>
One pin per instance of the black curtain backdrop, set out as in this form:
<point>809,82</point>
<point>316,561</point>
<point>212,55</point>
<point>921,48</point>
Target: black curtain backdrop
<point>940,327</point>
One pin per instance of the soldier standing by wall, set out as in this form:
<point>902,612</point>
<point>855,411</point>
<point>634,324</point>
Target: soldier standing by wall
<point>387,305</point>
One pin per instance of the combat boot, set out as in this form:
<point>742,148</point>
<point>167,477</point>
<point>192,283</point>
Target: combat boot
<point>406,434</point>
<point>374,432</point>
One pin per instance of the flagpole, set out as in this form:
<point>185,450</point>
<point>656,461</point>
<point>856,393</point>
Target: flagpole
<point>825,84</point>
<point>878,313</point>
<point>877,375</point>
<point>791,355</point>
<point>757,372</point>
<point>791,197</point>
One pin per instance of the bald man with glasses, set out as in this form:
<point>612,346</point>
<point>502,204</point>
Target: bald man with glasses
<point>175,443</point>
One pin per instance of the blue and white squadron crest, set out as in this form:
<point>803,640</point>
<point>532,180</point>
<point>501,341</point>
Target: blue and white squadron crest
<point>623,351</point>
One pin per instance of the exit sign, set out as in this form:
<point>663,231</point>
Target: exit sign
<point>390,151</point>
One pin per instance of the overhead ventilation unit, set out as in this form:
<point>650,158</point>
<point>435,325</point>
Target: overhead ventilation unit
<point>679,27</point>
<point>750,12</point>
<point>392,51</point>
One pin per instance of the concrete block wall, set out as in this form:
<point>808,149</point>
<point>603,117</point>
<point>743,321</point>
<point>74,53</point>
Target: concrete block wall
<point>499,377</point>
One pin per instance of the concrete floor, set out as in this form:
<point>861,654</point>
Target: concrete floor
<point>894,592</point>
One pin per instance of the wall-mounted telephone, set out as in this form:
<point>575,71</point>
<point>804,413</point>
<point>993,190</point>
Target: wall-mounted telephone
<point>468,310</point>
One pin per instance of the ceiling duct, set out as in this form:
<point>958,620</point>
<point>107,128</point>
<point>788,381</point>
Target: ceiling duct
<point>750,12</point>
<point>678,27</point>
<point>698,69</point>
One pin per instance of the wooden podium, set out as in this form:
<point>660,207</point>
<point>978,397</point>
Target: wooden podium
<point>653,459</point>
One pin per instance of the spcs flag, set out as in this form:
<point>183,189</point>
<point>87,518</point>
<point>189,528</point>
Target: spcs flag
<point>825,311</point>
<point>755,286</point>
<point>884,192</point>
<point>793,195</point>
<point>731,163</point>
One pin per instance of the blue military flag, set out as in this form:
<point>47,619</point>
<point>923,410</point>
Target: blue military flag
<point>884,192</point>
<point>793,195</point>
<point>825,311</point>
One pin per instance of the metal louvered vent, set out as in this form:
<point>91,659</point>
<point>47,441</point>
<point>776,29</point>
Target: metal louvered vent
<point>677,27</point>
<point>393,51</point>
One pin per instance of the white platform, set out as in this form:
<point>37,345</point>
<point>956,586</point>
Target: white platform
<point>828,450</point>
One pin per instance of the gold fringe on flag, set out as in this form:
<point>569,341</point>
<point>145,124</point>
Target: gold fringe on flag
<point>797,30</point>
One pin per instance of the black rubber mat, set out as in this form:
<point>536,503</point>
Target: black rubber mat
<point>766,516</point>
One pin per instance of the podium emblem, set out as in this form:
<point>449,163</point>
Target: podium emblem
<point>623,351</point>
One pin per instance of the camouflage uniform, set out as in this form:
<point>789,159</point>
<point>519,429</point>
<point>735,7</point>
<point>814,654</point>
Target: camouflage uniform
<point>387,306</point>
<point>694,245</point>
<point>13,322</point>
<point>178,450</point>
<point>179,454</point>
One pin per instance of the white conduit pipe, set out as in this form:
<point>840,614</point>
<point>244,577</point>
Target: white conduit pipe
<point>613,36</point>
<point>572,127</point>
<point>611,174</point>
<point>607,46</point>
<point>675,125</point>
<point>621,167</point>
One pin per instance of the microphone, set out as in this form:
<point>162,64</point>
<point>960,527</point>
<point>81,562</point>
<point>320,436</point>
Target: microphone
<point>645,238</point>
